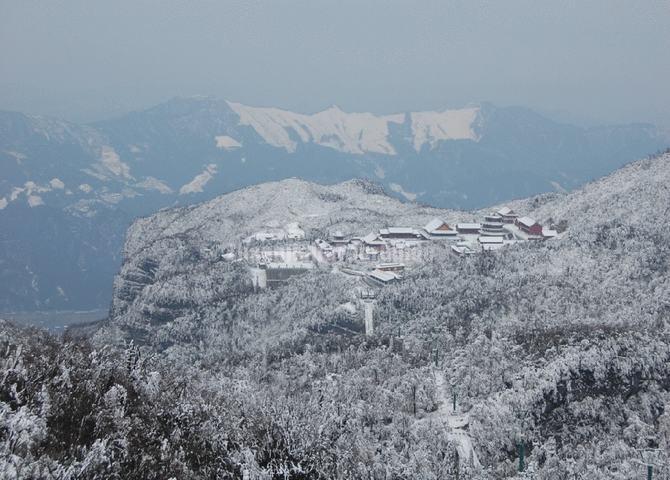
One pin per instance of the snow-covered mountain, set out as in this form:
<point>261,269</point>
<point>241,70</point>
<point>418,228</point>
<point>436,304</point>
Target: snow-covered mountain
<point>634,197</point>
<point>199,147</point>
<point>551,357</point>
<point>66,180</point>
<point>553,344</point>
<point>356,133</point>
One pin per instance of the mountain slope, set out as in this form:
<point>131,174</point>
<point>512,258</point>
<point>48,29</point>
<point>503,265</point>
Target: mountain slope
<point>166,239</point>
<point>555,344</point>
<point>190,150</point>
<point>559,349</point>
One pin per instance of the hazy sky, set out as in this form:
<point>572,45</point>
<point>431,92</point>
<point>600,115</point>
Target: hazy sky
<point>606,60</point>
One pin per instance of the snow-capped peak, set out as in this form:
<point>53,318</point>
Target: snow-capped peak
<point>432,127</point>
<point>356,133</point>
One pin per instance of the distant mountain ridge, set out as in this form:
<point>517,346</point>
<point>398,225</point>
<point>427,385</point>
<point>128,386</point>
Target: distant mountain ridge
<point>450,158</point>
<point>192,149</point>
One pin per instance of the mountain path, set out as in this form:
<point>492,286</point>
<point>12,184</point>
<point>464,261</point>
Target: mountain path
<point>455,422</point>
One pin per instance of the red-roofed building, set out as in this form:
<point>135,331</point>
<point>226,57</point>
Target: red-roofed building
<point>529,226</point>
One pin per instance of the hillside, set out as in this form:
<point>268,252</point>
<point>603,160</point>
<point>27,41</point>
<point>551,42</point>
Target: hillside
<point>167,244</point>
<point>87,178</point>
<point>561,345</point>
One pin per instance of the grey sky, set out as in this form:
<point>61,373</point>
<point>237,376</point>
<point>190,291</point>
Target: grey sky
<point>606,60</point>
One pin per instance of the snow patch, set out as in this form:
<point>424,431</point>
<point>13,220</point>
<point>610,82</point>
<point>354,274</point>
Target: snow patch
<point>433,127</point>
<point>558,187</point>
<point>16,191</point>
<point>349,307</point>
<point>112,162</point>
<point>347,132</point>
<point>112,198</point>
<point>398,189</point>
<point>294,232</point>
<point>35,201</point>
<point>227,143</point>
<point>356,133</point>
<point>19,157</point>
<point>31,187</point>
<point>96,172</point>
<point>199,181</point>
<point>57,184</point>
<point>151,183</point>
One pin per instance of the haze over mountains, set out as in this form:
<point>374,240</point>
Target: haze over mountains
<point>68,191</point>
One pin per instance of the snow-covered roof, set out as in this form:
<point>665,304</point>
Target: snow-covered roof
<point>527,221</point>
<point>262,236</point>
<point>397,231</point>
<point>506,211</point>
<point>491,240</point>
<point>468,226</point>
<point>549,233</point>
<point>462,249</point>
<point>372,238</point>
<point>383,276</point>
<point>391,265</point>
<point>434,224</point>
<point>291,265</point>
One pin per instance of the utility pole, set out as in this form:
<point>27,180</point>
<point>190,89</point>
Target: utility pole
<point>414,399</point>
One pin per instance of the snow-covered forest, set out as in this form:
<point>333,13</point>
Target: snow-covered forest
<point>559,349</point>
